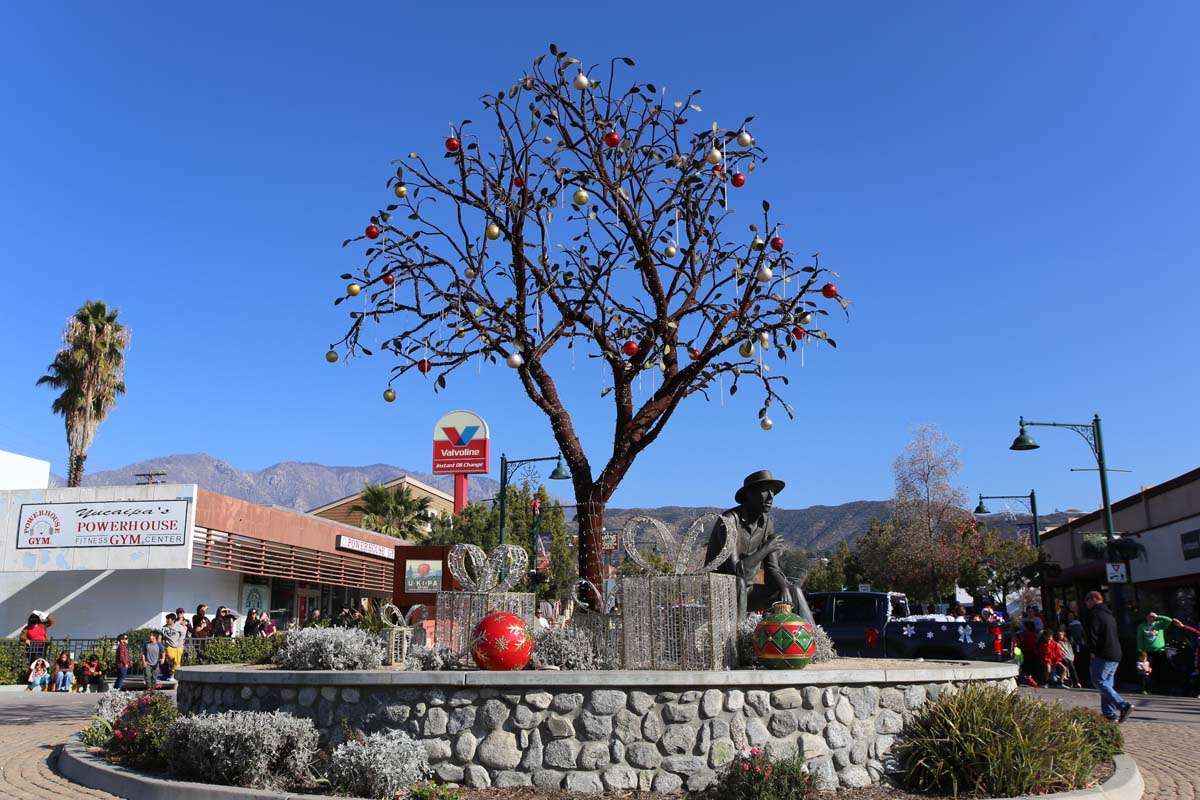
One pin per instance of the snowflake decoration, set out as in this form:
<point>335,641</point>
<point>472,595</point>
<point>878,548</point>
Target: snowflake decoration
<point>501,644</point>
<point>929,635</point>
<point>981,645</point>
<point>944,628</point>
<point>910,631</point>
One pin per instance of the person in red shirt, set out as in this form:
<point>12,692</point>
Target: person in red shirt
<point>1052,658</point>
<point>34,635</point>
<point>1034,666</point>
<point>122,661</point>
<point>93,675</point>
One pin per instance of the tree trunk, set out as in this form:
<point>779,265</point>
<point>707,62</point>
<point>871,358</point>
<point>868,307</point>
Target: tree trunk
<point>590,519</point>
<point>75,469</point>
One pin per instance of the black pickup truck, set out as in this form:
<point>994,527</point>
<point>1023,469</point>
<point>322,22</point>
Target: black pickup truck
<point>873,625</point>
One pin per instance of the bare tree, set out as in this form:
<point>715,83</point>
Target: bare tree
<point>597,220</point>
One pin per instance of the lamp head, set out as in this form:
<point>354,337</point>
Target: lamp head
<point>560,473</point>
<point>1024,441</point>
<point>981,508</point>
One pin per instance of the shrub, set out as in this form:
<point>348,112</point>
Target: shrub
<point>242,650</point>
<point>435,791</point>
<point>330,648</point>
<point>113,704</point>
<point>252,749</point>
<point>430,659</point>
<point>98,733</point>
<point>379,765</point>
<point>991,742</point>
<point>1103,735</point>
<point>138,733</point>
<point>565,648</point>
<point>753,776</point>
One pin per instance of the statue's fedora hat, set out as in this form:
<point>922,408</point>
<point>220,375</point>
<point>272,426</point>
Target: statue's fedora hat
<point>756,479</point>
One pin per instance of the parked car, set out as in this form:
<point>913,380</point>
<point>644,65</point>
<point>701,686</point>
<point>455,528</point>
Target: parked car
<point>875,625</point>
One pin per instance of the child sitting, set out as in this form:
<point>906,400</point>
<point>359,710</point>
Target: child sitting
<point>1144,669</point>
<point>93,675</point>
<point>39,675</point>
<point>1052,658</point>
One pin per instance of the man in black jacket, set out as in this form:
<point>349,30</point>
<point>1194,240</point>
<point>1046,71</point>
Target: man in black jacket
<point>1100,632</point>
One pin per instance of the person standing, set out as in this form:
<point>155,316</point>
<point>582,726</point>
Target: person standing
<point>268,625</point>
<point>174,635</point>
<point>201,624</point>
<point>35,636</point>
<point>122,661</point>
<point>253,626</point>
<point>153,656</point>
<point>1151,641</point>
<point>1100,631</point>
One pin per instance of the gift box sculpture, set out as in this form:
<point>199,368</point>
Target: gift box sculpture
<point>486,579</point>
<point>398,632</point>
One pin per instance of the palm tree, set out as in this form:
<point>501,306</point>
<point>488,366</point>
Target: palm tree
<point>393,511</point>
<point>89,369</point>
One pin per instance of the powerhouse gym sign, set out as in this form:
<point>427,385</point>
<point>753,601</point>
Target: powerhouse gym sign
<point>113,523</point>
<point>460,444</point>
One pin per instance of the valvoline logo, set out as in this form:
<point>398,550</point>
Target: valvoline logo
<point>461,438</point>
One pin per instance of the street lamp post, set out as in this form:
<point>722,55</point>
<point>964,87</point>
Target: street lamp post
<point>1091,435</point>
<point>560,473</point>
<point>1030,498</point>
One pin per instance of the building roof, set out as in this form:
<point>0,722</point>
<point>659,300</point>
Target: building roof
<point>404,480</point>
<point>1127,502</point>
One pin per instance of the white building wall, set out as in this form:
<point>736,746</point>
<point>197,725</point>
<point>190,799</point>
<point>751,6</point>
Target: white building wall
<point>1164,552</point>
<point>23,472</point>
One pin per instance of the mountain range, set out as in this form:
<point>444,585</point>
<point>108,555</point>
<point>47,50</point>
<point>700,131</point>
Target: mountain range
<point>304,486</point>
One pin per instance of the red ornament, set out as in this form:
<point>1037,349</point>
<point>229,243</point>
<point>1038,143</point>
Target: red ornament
<point>423,366</point>
<point>612,138</point>
<point>777,244</point>
<point>389,279</point>
<point>783,640</point>
<point>695,354</point>
<point>372,231</point>
<point>718,167</point>
<point>799,332</point>
<point>501,641</point>
<point>829,290</point>
<point>452,144</point>
<point>630,349</point>
<point>518,182</point>
<point>738,179</point>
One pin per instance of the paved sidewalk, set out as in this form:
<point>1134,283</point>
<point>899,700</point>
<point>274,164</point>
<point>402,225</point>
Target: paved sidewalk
<point>1162,734</point>
<point>32,726</point>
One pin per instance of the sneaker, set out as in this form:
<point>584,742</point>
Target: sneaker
<point>1125,710</point>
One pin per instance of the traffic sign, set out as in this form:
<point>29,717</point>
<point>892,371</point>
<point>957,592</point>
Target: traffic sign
<point>1117,573</point>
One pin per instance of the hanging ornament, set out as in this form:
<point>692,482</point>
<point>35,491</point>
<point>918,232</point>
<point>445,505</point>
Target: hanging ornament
<point>389,279</point>
<point>389,395</point>
<point>423,366</point>
<point>766,424</point>
<point>764,273</point>
<point>581,82</point>
<point>777,244</point>
<point>468,273</point>
<point>353,289</point>
<point>745,139</point>
<point>612,138</point>
<point>492,232</point>
<point>630,348</point>
<point>670,251</point>
<point>757,245</point>
<point>738,179</point>
<point>514,360</point>
<point>401,191</point>
<point>746,349</point>
<point>372,231</point>
<point>713,156</point>
<point>764,338</point>
<point>695,354</point>
<point>519,182</point>
<point>580,197</point>
<point>452,144</point>
<point>829,290</point>
<point>799,332</point>
<point>331,356</point>
<point>805,318</point>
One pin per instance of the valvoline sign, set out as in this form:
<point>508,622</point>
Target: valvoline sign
<point>461,444</point>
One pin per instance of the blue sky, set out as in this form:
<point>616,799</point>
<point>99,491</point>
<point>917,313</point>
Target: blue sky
<point>1010,195</point>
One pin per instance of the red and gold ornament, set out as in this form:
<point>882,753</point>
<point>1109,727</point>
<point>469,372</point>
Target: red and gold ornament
<point>501,641</point>
<point>372,231</point>
<point>452,144</point>
<point>612,138</point>
<point>784,640</point>
<point>829,290</point>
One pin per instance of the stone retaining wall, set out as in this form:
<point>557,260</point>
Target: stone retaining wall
<point>590,731</point>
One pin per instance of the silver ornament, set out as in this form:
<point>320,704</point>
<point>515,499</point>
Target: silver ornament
<point>766,424</point>
<point>745,139</point>
<point>514,360</point>
<point>764,273</point>
<point>581,82</point>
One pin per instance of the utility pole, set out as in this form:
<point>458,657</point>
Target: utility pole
<point>150,477</point>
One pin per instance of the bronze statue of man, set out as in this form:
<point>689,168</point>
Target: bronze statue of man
<point>755,547</point>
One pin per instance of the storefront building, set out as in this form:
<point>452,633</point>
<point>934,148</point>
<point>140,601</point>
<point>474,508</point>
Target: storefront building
<point>111,558</point>
<point>345,510</point>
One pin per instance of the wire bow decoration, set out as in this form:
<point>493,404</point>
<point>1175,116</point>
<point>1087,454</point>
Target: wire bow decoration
<point>686,552</point>
<point>391,616</point>
<point>477,571</point>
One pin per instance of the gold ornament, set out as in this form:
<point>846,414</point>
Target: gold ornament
<point>492,232</point>
<point>389,395</point>
<point>764,338</point>
<point>805,318</point>
<point>469,274</point>
<point>401,191</point>
<point>514,360</point>
<point>745,139</point>
<point>766,424</point>
<point>580,197</point>
<point>581,82</point>
<point>331,356</point>
<point>670,251</point>
<point>757,245</point>
<point>714,156</point>
<point>746,349</point>
<point>764,273</point>
<point>353,289</point>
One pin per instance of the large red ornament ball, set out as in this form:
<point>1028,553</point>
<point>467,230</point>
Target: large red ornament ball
<point>452,144</point>
<point>389,279</point>
<point>829,290</point>
<point>501,641</point>
<point>777,244</point>
<point>630,349</point>
<point>423,366</point>
<point>612,138</point>
<point>738,179</point>
<point>372,231</point>
<point>784,640</point>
